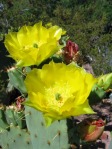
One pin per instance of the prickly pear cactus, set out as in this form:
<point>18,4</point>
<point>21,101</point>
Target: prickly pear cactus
<point>3,121</point>
<point>13,130</point>
<point>16,78</point>
<point>96,95</point>
<point>15,117</point>
<point>52,137</point>
<point>25,128</point>
<point>22,128</point>
<point>15,137</point>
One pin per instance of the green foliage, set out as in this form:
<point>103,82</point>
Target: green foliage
<point>88,23</point>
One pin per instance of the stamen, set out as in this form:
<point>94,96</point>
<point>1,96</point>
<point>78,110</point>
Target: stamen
<point>35,45</point>
<point>57,96</point>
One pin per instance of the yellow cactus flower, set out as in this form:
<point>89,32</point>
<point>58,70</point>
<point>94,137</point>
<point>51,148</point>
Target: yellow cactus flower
<point>31,45</point>
<point>59,90</point>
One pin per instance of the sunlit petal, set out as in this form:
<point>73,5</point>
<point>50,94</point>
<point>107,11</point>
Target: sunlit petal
<point>59,90</point>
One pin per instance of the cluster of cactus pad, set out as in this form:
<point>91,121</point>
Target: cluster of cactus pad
<point>25,128</point>
<point>22,128</point>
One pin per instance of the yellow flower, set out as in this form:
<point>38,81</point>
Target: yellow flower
<point>59,90</point>
<point>31,45</point>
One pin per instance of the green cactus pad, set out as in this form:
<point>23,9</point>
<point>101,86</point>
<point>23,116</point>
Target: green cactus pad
<point>3,121</point>
<point>10,116</point>
<point>16,78</point>
<point>96,95</point>
<point>105,81</point>
<point>16,138</point>
<point>53,137</point>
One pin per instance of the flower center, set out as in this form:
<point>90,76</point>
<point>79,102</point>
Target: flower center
<point>35,45</point>
<point>28,47</point>
<point>58,94</point>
